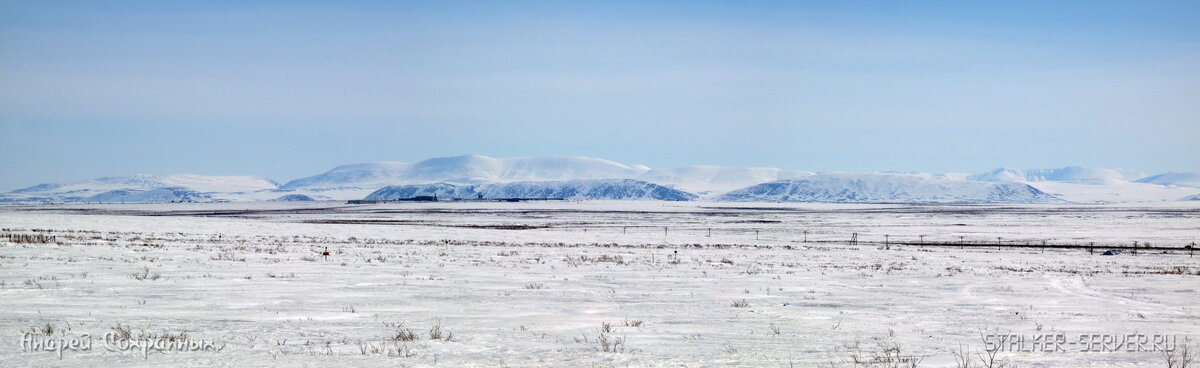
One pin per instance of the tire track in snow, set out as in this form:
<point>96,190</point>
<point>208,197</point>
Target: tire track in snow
<point>1076,286</point>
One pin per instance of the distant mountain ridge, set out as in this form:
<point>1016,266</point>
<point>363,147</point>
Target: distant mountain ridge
<point>887,188</point>
<point>1069,174</point>
<point>129,188</point>
<point>176,194</point>
<point>476,169</point>
<point>470,169</point>
<point>598,189</point>
<point>476,173</point>
<point>1183,179</point>
<point>717,179</point>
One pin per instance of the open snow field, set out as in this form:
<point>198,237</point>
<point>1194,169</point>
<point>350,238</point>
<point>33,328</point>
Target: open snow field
<point>582,284</point>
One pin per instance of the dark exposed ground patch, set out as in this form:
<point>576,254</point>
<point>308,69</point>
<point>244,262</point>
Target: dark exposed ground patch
<point>422,223</point>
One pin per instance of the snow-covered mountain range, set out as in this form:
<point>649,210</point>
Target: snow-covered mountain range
<point>1183,179</point>
<point>1096,185</point>
<point>169,194</point>
<point>884,188</point>
<point>575,177</point>
<point>595,189</point>
<point>142,188</point>
<point>1069,174</point>
<point>469,169</point>
<point>713,180</point>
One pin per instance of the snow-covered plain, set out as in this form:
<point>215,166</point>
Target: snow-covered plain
<point>533,284</point>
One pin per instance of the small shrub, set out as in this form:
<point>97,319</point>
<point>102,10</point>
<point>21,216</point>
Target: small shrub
<point>228,256</point>
<point>436,332</point>
<point>611,344</point>
<point>122,332</point>
<point>1180,357</point>
<point>145,275</point>
<point>404,335</point>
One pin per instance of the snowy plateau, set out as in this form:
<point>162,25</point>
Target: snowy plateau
<point>585,178</point>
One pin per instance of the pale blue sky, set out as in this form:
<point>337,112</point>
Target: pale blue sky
<point>290,89</point>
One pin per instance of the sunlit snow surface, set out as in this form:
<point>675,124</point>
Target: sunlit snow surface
<point>530,284</point>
